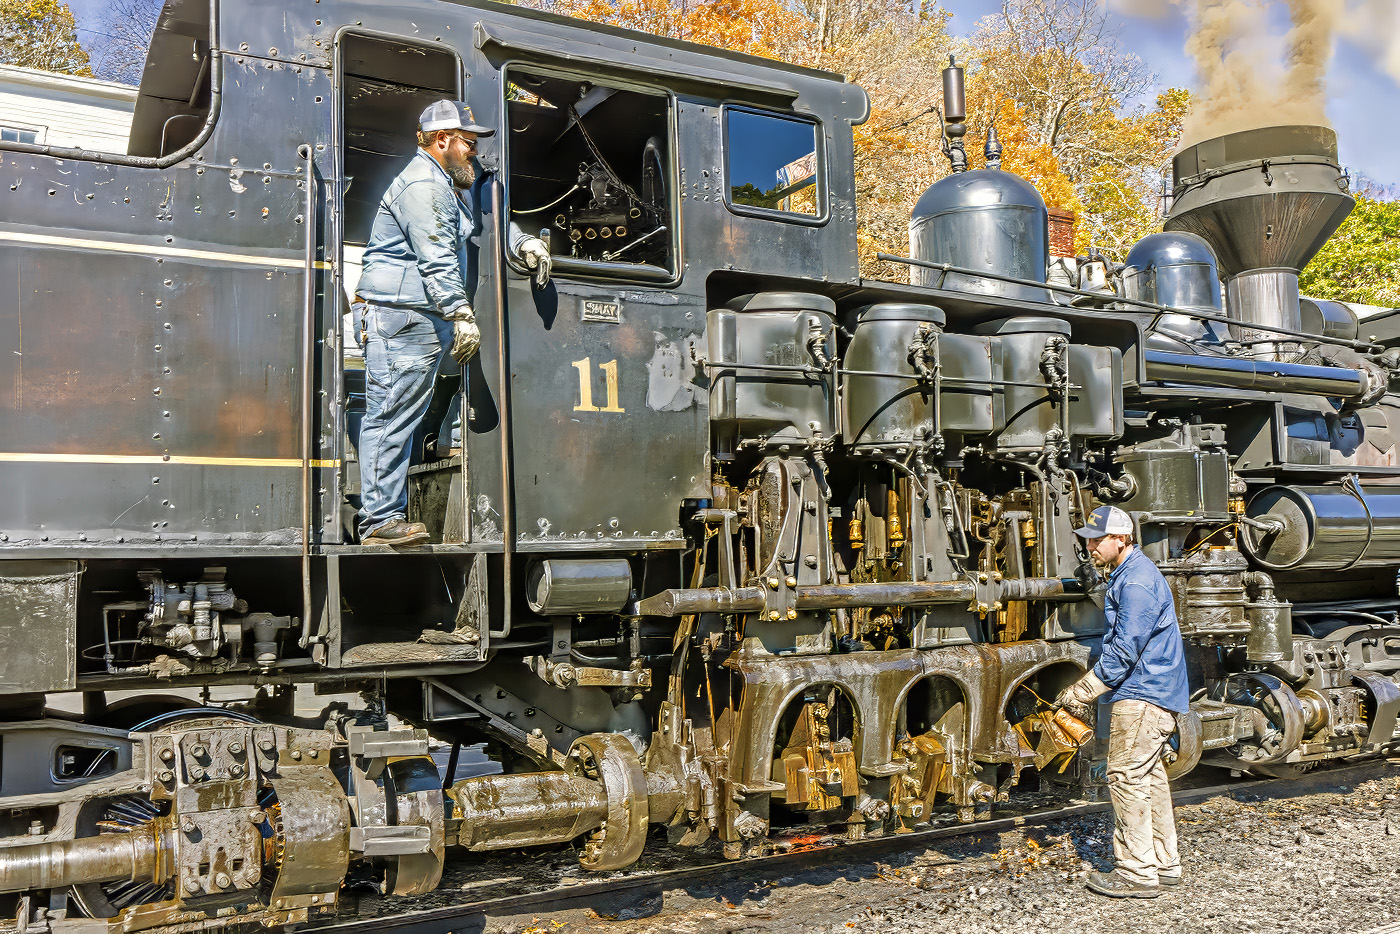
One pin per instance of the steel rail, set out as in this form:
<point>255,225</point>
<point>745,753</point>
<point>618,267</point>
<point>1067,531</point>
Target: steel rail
<point>451,917</point>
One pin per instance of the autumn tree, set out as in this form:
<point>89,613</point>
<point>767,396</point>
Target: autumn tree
<point>41,34</point>
<point>120,48</point>
<point>1361,262</point>
<point>1052,72</point>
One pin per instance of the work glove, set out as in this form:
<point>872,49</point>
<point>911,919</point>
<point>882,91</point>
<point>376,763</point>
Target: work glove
<point>536,256</point>
<point>1078,696</point>
<point>466,336</point>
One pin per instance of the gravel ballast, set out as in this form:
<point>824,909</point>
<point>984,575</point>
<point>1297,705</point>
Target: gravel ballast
<point>1321,858</point>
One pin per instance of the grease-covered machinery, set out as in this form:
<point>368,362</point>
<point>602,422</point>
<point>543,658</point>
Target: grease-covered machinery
<point>734,540</point>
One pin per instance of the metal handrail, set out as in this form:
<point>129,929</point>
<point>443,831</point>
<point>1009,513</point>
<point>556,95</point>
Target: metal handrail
<point>307,152</point>
<point>947,268</point>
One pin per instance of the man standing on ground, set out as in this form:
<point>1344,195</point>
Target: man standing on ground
<point>1142,670</point>
<point>418,281</point>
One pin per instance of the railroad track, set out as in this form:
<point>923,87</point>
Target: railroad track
<point>473,915</point>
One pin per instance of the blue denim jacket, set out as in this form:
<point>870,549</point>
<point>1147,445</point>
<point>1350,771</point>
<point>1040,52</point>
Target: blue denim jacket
<point>1142,658</point>
<point>422,250</point>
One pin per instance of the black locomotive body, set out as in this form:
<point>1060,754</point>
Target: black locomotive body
<point>732,538</point>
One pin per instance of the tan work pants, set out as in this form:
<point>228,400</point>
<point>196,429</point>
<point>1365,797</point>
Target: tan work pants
<point>1144,837</point>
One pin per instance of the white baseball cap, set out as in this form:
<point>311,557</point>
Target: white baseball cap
<point>1106,520</point>
<point>450,115</point>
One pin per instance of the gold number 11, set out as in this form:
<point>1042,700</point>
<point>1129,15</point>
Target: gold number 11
<point>585,386</point>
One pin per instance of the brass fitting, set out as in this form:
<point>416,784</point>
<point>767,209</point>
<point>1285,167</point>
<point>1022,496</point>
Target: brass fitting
<point>894,528</point>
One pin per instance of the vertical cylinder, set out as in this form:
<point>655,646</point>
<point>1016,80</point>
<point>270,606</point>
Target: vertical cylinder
<point>1266,296</point>
<point>1270,632</point>
<point>954,99</point>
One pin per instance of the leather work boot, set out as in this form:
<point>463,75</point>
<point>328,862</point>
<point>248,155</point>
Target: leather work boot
<point>398,532</point>
<point>1165,879</point>
<point>1115,886</point>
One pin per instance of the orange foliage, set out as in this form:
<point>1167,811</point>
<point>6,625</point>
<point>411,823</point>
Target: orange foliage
<point>1034,161</point>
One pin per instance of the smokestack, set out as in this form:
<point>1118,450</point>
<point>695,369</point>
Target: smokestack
<point>1266,201</point>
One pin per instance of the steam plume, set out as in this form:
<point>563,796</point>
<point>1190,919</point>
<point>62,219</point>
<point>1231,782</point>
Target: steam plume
<point>1248,77</point>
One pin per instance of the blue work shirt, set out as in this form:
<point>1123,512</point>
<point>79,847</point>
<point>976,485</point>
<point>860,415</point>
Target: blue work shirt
<point>423,246</point>
<point>1143,658</point>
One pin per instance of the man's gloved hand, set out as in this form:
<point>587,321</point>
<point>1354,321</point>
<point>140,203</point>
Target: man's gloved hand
<point>1082,693</point>
<point>536,256</point>
<point>466,336</point>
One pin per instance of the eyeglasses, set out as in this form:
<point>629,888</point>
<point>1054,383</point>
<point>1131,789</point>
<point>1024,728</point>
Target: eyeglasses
<point>469,141</point>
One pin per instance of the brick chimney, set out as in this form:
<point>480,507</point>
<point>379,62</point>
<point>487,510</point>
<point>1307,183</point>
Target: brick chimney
<point>1061,233</point>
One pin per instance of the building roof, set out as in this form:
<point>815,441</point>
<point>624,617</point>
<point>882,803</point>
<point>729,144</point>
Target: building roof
<point>54,81</point>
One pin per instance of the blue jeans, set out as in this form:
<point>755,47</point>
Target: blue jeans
<point>403,351</point>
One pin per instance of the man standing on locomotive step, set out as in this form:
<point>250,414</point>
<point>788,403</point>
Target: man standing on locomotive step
<point>1142,670</point>
<point>417,286</point>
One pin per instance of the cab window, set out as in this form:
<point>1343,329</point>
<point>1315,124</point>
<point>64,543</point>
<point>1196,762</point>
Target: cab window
<point>588,167</point>
<point>772,163</point>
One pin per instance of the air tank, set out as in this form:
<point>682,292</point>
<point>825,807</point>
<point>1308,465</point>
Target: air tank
<point>985,219</point>
<point>1324,528</point>
<point>894,411</point>
<point>1178,269</point>
<point>773,382</point>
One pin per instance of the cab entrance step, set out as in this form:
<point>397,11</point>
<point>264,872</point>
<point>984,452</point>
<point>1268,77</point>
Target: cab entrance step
<point>407,653</point>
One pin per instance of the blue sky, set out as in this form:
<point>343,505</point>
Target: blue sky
<point>1361,98</point>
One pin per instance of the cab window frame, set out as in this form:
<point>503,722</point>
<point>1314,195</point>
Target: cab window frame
<point>820,178</point>
<point>587,269</point>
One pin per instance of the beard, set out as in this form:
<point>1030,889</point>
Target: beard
<point>462,173</point>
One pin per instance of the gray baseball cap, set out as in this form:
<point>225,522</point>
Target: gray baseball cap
<point>1106,520</point>
<point>451,115</point>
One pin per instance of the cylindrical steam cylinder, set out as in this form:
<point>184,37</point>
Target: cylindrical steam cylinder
<point>772,385</point>
<point>1324,528</point>
<point>984,220</point>
<point>565,586</point>
<point>1029,415</point>
<point>884,412</point>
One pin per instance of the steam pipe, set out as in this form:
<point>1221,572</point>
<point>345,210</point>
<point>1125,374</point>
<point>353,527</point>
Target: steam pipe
<point>1239,373</point>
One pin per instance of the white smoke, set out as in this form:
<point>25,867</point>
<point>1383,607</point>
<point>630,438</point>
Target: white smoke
<point>1248,75</point>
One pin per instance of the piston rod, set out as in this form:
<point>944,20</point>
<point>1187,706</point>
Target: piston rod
<point>850,596</point>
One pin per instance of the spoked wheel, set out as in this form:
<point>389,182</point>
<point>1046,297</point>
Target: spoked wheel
<point>118,815</point>
<point>1280,720</point>
<point>130,813</point>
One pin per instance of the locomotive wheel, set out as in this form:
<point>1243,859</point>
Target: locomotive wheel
<point>129,812</point>
<point>1184,745</point>
<point>1282,714</point>
<point>414,787</point>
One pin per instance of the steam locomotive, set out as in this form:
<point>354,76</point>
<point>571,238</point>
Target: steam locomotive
<point>729,539</point>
